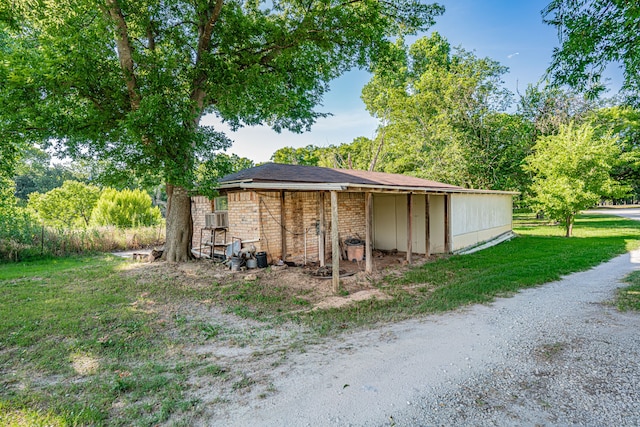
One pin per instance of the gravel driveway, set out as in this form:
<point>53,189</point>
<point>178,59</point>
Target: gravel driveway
<point>553,355</point>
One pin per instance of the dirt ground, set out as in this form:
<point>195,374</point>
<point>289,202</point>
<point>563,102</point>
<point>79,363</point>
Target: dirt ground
<point>311,280</point>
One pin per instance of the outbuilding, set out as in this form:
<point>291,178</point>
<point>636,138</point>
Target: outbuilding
<point>307,214</point>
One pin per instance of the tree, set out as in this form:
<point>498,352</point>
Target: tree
<point>572,172</point>
<point>208,173</point>
<point>623,122</point>
<point>435,105</point>
<point>306,156</point>
<point>126,208</point>
<point>593,34</point>
<point>70,205</point>
<point>129,81</point>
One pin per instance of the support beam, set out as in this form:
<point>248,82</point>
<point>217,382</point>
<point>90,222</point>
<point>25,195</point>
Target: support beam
<point>283,230</point>
<point>427,227</point>
<point>447,223</point>
<point>368,248</point>
<point>335,244</point>
<point>409,227</point>
<point>321,236</point>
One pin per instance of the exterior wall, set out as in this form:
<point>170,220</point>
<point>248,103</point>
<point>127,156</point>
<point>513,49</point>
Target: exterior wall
<point>479,217</point>
<point>257,217</point>
<point>436,224</point>
<point>199,207</point>
<point>390,222</point>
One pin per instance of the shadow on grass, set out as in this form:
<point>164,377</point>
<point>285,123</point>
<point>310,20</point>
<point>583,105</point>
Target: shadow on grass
<point>538,255</point>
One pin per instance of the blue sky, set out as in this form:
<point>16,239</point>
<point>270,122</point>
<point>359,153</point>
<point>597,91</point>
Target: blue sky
<point>508,31</point>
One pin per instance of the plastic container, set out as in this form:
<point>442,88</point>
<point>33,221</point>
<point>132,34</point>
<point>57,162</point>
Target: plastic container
<point>355,249</point>
<point>261,259</point>
<point>252,263</point>
<point>236,263</point>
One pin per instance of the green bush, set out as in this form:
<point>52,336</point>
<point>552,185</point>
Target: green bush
<point>67,206</point>
<point>127,208</point>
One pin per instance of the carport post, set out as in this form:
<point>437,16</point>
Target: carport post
<point>335,244</point>
<point>427,226</point>
<point>447,223</point>
<point>409,227</point>
<point>321,250</point>
<point>368,248</point>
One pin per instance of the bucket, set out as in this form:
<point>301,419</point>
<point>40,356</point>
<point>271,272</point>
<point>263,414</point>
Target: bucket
<point>355,249</point>
<point>236,262</point>
<point>252,263</point>
<point>261,259</point>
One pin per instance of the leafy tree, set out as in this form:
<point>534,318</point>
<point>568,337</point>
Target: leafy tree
<point>70,205</point>
<point>305,156</point>
<point>434,104</point>
<point>572,172</point>
<point>34,173</point>
<point>623,122</point>
<point>126,208</point>
<point>549,107</point>
<point>362,153</point>
<point>593,34</point>
<point>128,81</point>
<point>208,173</point>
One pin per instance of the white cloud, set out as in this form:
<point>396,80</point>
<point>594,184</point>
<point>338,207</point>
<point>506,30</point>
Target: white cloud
<point>513,54</point>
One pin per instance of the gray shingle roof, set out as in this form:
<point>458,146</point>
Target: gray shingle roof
<point>280,173</point>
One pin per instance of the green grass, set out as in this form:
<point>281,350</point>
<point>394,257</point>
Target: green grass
<point>628,298</point>
<point>73,318</point>
<point>79,346</point>
<point>538,255</point>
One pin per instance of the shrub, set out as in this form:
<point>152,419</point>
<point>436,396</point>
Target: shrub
<point>127,208</point>
<point>70,205</point>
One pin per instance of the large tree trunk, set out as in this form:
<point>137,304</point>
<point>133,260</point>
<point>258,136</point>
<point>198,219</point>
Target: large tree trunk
<point>179,225</point>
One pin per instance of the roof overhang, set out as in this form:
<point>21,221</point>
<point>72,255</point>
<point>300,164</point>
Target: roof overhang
<point>298,186</point>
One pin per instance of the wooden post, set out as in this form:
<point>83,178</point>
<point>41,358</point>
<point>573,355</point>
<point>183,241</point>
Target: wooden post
<point>427,226</point>
<point>335,244</point>
<point>321,235</point>
<point>368,248</point>
<point>283,230</point>
<point>447,223</point>
<point>409,227</point>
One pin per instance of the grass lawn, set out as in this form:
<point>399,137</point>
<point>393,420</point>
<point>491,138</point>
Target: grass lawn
<point>84,342</point>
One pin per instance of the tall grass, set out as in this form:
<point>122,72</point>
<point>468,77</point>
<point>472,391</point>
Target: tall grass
<point>42,242</point>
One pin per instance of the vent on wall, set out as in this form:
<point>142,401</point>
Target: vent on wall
<point>217,219</point>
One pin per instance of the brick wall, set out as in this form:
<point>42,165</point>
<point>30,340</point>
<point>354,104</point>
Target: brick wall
<point>257,215</point>
<point>199,207</point>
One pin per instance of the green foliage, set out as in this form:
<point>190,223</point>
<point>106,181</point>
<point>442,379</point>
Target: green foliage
<point>209,172</point>
<point>34,173</point>
<point>623,123</point>
<point>128,82</point>
<point>572,172</point>
<point>593,34</point>
<point>306,156</point>
<point>362,153</point>
<point>68,206</point>
<point>440,112</point>
<point>17,226</point>
<point>126,208</point>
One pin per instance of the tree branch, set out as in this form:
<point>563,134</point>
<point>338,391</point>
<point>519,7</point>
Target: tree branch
<point>125,52</point>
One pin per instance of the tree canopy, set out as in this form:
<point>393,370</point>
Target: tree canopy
<point>594,34</point>
<point>438,108</point>
<point>128,81</point>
